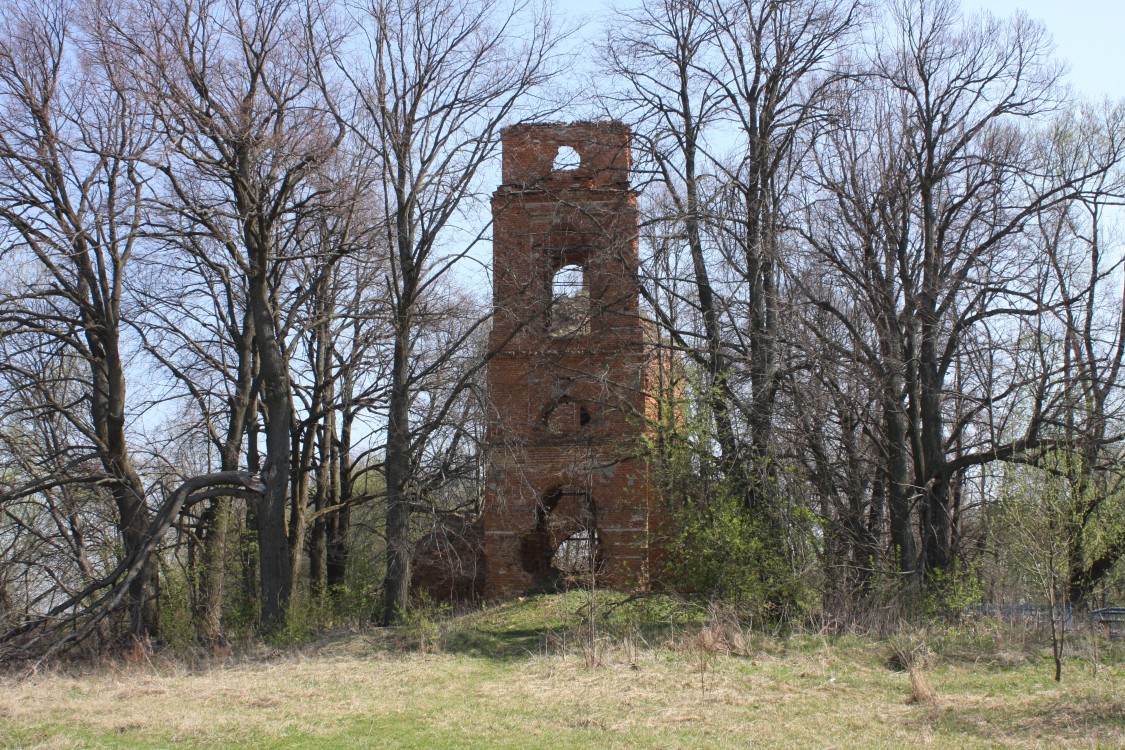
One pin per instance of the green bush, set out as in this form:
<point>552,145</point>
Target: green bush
<point>949,593</point>
<point>422,622</point>
<point>722,552</point>
<point>176,626</point>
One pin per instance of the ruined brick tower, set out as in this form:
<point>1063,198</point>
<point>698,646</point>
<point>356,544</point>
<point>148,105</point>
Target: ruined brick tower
<point>568,492</point>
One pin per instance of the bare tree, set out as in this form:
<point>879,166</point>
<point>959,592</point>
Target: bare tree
<point>72,189</point>
<point>236,97</point>
<point>856,235</point>
<point>1083,341</point>
<point>778,62</point>
<point>961,90</point>
<point>340,357</point>
<point>919,205</point>
<point>664,55</point>
<point>436,83</point>
<point>726,97</point>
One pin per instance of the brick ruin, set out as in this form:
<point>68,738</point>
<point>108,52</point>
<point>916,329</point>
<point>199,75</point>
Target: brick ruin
<point>568,492</point>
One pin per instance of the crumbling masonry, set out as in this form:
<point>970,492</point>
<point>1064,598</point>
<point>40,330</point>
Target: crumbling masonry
<point>568,492</point>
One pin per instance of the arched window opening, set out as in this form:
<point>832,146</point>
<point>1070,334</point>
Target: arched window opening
<point>569,281</point>
<point>566,416</point>
<point>570,302</point>
<point>576,556</point>
<point>566,160</point>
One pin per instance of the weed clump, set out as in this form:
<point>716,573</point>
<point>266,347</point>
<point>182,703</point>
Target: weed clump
<point>916,659</point>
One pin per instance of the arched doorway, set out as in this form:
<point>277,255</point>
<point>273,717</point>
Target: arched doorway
<point>563,551</point>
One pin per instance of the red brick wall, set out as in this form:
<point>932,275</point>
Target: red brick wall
<point>540,384</point>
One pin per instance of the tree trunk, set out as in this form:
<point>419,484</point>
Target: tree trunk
<point>298,510</point>
<point>212,574</point>
<point>898,482</point>
<point>338,523</point>
<point>936,513</point>
<point>396,586</point>
<point>212,571</point>
<point>318,538</point>
<point>273,543</point>
<point>108,412</point>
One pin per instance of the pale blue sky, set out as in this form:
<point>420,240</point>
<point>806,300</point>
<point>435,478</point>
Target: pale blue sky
<point>1088,34</point>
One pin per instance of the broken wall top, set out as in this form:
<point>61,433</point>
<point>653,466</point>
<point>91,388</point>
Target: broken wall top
<point>529,153</point>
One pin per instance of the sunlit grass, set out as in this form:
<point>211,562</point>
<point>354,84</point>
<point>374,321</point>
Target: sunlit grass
<point>515,676</point>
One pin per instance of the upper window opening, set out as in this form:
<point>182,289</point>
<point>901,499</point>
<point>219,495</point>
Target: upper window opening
<point>566,159</point>
<point>569,281</point>
<point>566,417</point>
<point>570,302</point>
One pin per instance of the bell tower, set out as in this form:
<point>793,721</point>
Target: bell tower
<point>568,494</point>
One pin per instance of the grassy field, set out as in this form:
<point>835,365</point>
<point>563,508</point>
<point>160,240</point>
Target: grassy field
<point>524,675</point>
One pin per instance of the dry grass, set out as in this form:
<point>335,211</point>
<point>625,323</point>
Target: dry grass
<point>920,690</point>
<point>353,693</point>
<point>916,659</point>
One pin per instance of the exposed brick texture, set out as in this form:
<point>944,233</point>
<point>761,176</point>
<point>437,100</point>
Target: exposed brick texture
<point>569,383</point>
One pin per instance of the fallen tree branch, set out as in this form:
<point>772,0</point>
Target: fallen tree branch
<point>39,638</point>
